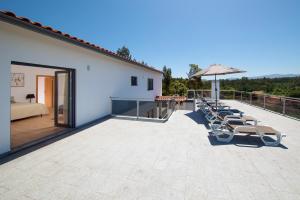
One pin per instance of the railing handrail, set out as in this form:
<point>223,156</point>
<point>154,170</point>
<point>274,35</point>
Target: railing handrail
<point>264,94</point>
<point>131,99</point>
<point>269,95</point>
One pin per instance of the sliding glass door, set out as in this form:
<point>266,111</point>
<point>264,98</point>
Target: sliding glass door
<point>64,99</point>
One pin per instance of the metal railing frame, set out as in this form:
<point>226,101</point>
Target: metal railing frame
<point>251,94</point>
<point>159,109</point>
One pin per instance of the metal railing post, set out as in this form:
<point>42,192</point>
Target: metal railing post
<point>250,98</point>
<point>111,106</point>
<point>233,94</point>
<point>157,109</point>
<point>160,110</point>
<point>264,101</point>
<point>241,96</point>
<point>137,109</point>
<point>201,93</point>
<point>283,109</point>
<point>168,108</point>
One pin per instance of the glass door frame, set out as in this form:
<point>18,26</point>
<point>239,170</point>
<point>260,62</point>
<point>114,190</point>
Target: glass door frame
<point>71,99</point>
<point>72,91</point>
<point>72,102</point>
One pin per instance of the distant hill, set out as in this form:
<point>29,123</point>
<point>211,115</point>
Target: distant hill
<point>271,76</point>
<point>275,76</point>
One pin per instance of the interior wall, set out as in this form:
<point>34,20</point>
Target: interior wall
<point>30,74</point>
<point>41,90</point>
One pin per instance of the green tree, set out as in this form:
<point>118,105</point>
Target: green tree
<point>144,63</point>
<point>194,68</point>
<point>178,88</point>
<point>124,52</point>
<point>194,83</point>
<point>167,74</point>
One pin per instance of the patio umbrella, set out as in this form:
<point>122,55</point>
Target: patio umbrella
<point>214,70</point>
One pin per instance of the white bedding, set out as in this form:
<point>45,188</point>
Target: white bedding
<point>24,110</point>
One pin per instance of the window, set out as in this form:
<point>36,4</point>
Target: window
<point>133,81</point>
<point>150,84</point>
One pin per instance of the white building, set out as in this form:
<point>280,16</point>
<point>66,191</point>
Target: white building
<point>82,78</point>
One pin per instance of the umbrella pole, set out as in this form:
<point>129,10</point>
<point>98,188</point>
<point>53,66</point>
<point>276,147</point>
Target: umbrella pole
<point>216,95</point>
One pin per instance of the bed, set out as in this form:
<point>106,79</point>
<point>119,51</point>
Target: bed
<point>24,110</point>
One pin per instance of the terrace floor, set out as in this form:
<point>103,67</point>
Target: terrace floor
<point>135,160</point>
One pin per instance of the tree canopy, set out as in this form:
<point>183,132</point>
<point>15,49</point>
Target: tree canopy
<point>124,52</point>
<point>276,86</point>
<point>178,88</point>
<point>194,68</point>
<point>167,74</point>
<point>194,82</point>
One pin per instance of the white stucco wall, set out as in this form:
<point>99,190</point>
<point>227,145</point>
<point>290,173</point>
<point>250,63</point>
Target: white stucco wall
<point>106,77</point>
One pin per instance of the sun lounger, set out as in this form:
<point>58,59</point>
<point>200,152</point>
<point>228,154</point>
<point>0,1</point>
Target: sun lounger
<point>223,118</point>
<point>216,117</point>
<point>226,132</point>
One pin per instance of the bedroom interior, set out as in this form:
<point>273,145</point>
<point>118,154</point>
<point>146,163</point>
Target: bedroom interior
<point>39,103</point>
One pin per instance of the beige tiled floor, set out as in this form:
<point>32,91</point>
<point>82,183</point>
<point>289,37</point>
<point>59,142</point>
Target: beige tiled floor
<point>121,159</point>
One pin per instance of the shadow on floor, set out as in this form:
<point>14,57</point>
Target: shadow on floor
<point>199,118</point>
<point>47,141</point>
<point>243,141</point>
<point>238,140</point>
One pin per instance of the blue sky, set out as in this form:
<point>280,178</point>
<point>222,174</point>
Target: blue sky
<point>259,36</point>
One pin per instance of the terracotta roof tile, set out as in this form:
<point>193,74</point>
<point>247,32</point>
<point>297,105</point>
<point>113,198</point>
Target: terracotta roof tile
<point>103,50</point>
<point>25,19</point>
<point>37,24</point>
<point>48,28</point>
<point>56,31</point>
<point>10,13</point>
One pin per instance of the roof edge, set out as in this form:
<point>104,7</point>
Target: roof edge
<point>23,22</point>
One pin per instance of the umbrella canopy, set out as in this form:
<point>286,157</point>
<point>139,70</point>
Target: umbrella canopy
<point>214,70</point>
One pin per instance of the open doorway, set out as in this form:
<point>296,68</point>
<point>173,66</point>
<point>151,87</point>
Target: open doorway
<point>45,90</point>
<point>42,102</point>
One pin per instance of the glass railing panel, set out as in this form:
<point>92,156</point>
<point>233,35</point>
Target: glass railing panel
<point>164,109</point>
<point>292,108</point>
<point>172,105</point>
<point>274,103</point>
<point>148,109</point>
<point>186,105</point>
<point>191,94</point>
<point>237,95</point>
<point>124,107</point>
<point>246,97</point>
<point>257,100</point>
<point>207,93</point>
<point>226,94</point>
<point>198,94</point>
